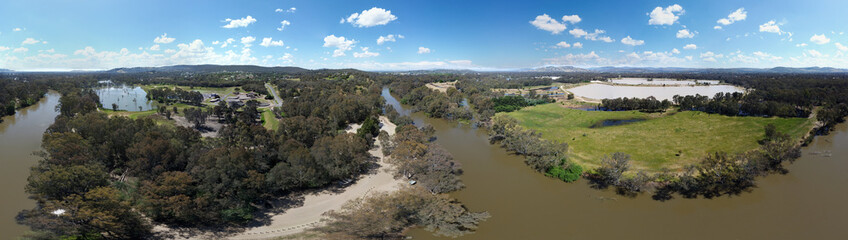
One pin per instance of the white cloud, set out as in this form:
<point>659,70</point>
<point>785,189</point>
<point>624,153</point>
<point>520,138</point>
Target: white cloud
<point>591,58</point>
<point>631,41</point>
<point>365,53</point>
<point>717,27</point>
<point>684,33</point>
<point>268,42</point>
<point>577,45</point>
<point>247,41</point>
<point>170,51</point>
<point>594,36</point>
<point>665,16</point>
<point>545,22</point>
<point>572,19</point>
<point>283,25</point>
<point>371,17</point>
<point>155,47</point>
<point>227,42</point>
<point>562,44</point>
<point>388,38</point>
<point>216,42</point>
<point>814,53</point>
<point>340,43</point>
<point>17,29</point>
<point>291,10</point>
<point>710,56</point>
<point>675,51</point>
<point>819,39</point>
<point>771,27</point>
<point>4,48</point>
<point>690,47</point>
<point>801,45</point>
<point>29,41</point>
<point>450,64</point>
<point>241,22</point>
<point>423,50</point>
<point>767,56</point>
<point>164,39</point>
<point>287,58</point>
<point>738,15</point>
<point>20,49</point>
<point>841,47</point>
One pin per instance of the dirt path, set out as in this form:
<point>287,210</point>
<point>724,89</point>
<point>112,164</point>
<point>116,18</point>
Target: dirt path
<point>298,219</point>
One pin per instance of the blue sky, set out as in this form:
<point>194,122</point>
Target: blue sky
<point>483,35</point>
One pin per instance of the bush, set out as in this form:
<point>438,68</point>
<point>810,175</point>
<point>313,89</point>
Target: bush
<point>568,174</point>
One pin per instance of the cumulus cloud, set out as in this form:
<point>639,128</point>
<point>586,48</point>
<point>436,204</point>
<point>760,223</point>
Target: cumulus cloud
<point>365,53</point>
<point>597,35</point>
<point>545,22</point>
<point>675,51</point>
<point>562,44</point>
<point>690,47</point>
<point>371,17</point>
<point>237,23</point>
<point>819,39</point>
<point>154,47</point>
<point>164,39</point>
<point>591,58</point>
<point>291,10</point>
<point>632,42</point>
<point>30,41</point>
<point>423,50</point>
<point>17,29</point>
<point>766,56</point>
<point>340,43</point>
<point>283,25</point>
<point>685,33</point>
<point>738,15</point>
<point>841,47</point>
<point>771,27</point>
<point>227,42</point>
<point>571,18</point>
<point>814,53</point>
<point>4,48</point>
<point>388,38</point>
<point>20,49</point>
<point>449,64</point>
<point>577,45</point>
<point>710,56</point>
<point>247,41</point>
<point>665,16</point>
<point>268,42</point>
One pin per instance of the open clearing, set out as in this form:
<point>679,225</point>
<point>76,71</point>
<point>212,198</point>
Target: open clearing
<point>654,143</point>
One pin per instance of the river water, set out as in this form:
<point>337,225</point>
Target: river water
<point>807,203</point>
<point>20,136</point>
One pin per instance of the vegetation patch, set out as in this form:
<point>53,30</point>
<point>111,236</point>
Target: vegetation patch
<point>671,140</point>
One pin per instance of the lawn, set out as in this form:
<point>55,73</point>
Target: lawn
<point>269,121</point>
<point>671,140</point>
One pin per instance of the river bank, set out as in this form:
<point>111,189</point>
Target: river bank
<point>805,203</point>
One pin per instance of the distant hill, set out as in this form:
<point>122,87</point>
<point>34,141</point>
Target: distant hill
<point>555,69</point>
<point>5,70</point>
<point>210,69</point>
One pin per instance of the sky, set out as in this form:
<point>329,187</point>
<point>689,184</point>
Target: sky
<point>57,35</point>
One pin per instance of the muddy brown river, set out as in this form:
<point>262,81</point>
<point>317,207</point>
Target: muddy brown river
<point>20,135</point>
<point>807,203</point>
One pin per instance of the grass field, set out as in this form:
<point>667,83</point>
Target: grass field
<point>268,120</point>
<point>654,143</point>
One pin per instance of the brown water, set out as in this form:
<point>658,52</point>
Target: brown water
<point>811,202</point>
<point>20,135</point>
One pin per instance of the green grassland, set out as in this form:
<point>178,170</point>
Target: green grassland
<point>654,144</point>
<point>269,121</point>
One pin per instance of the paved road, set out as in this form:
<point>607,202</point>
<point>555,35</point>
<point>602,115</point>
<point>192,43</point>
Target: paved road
<point>277,101</point>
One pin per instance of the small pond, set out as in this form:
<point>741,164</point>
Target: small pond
<point>615,122</point>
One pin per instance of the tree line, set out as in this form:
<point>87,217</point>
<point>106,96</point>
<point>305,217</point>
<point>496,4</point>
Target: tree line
<point>19,94</point>
<point>176,95</point>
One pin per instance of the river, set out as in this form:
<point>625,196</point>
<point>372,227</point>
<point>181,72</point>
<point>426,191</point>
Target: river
<point>20,136</point>
<point>807,203</point>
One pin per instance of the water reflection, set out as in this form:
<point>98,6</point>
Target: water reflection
<point>605,91</point>
<point>127,98</point>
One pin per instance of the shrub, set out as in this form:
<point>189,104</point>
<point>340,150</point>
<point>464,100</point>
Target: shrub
<point>568,174</point>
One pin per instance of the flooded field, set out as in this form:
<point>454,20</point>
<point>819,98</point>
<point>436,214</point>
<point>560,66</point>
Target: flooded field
<point>604,91</point>
<point>128,98</point>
